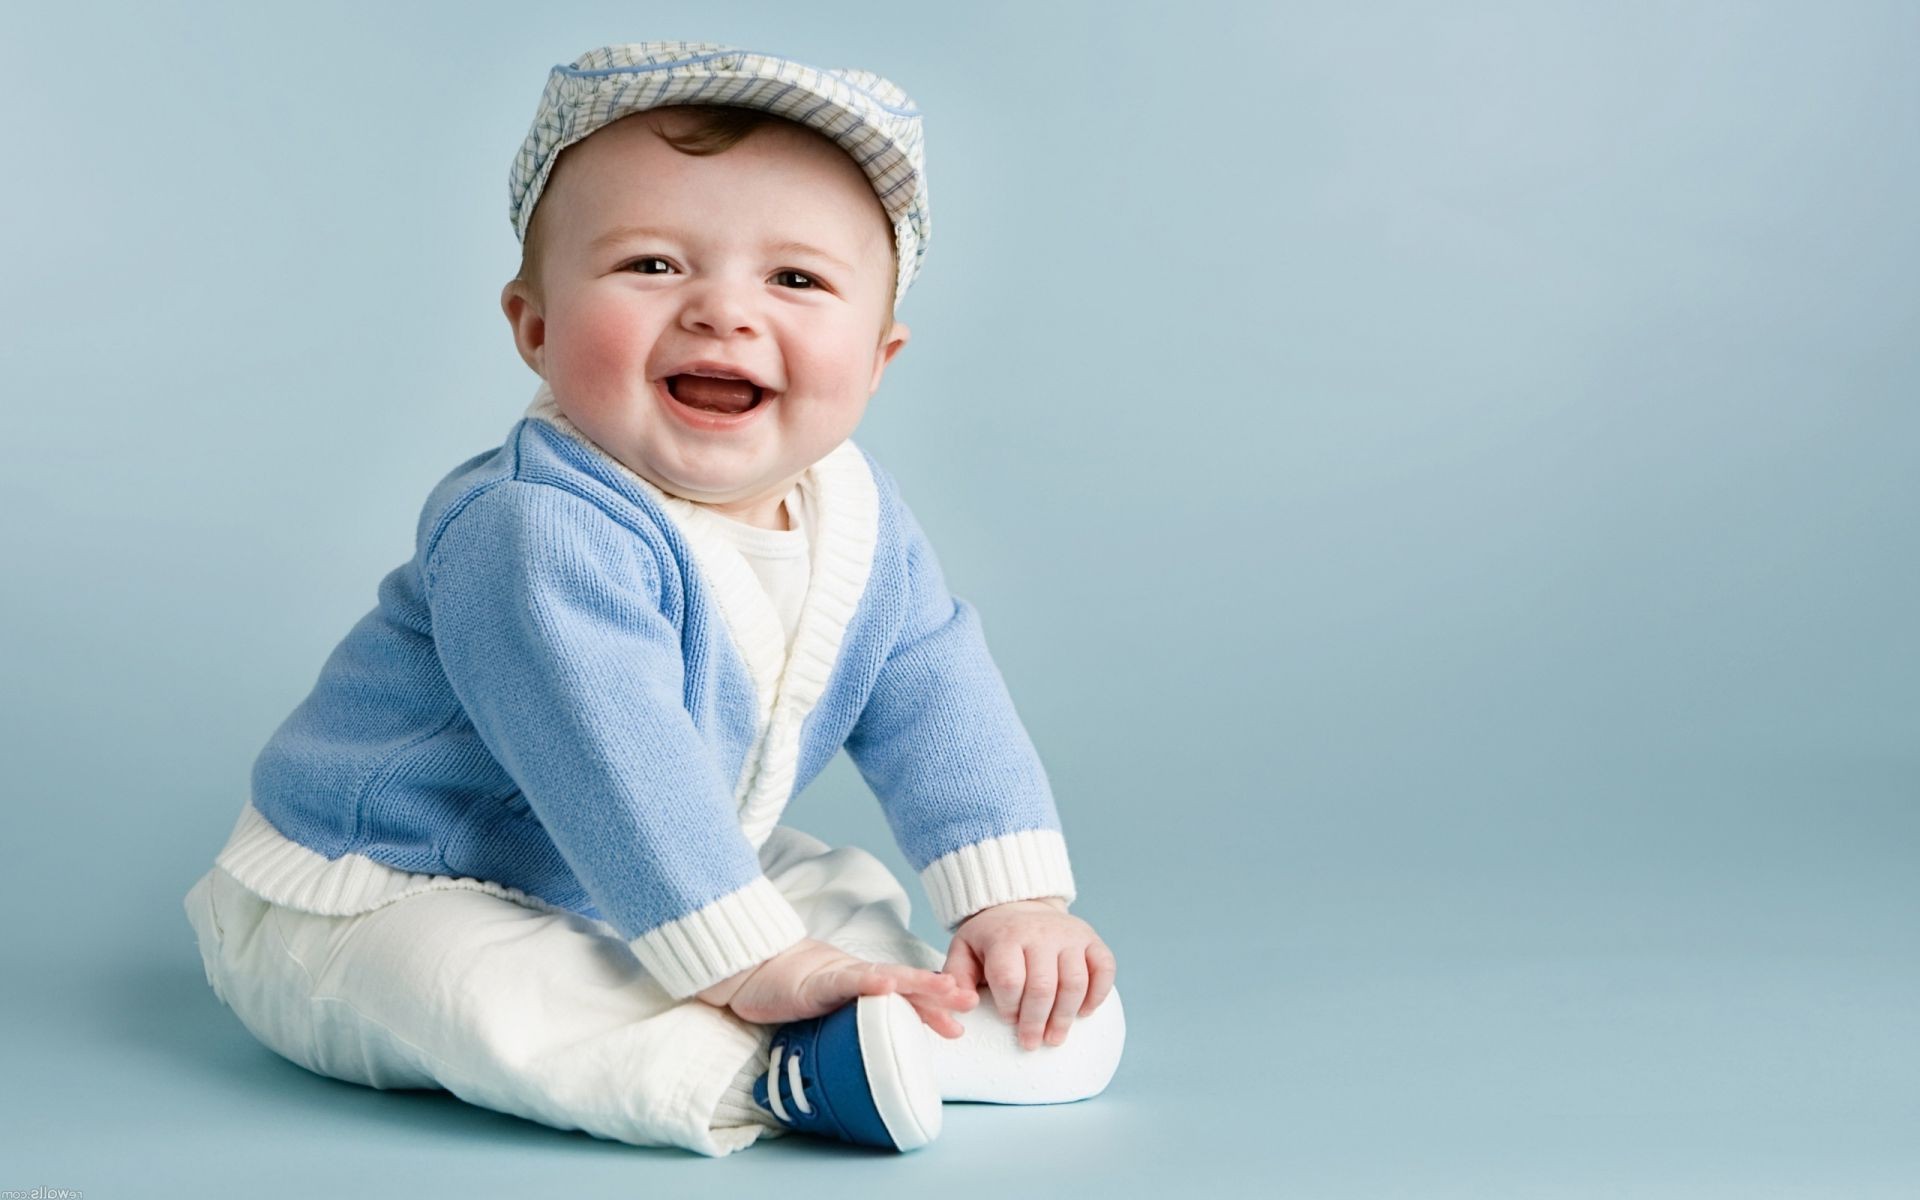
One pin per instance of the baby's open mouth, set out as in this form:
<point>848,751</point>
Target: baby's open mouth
<point>714,395</point>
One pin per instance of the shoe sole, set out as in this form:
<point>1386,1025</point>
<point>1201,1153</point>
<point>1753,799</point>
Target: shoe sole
<point>893,1044</point>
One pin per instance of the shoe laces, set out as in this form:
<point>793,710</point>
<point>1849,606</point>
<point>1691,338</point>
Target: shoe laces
<point>796,1087</point>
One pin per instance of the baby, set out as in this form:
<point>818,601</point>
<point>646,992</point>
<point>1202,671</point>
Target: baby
<point>522,840</point>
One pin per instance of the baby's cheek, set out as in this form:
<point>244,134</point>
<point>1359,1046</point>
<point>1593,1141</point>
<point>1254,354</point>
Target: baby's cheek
<point>598,349</point>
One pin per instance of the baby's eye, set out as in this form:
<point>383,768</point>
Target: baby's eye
<point>810,282</point>
<point>650,258</point>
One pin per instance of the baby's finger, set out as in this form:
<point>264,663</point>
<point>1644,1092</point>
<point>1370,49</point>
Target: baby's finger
<point>1006,970</point>
<point>826,990</point>
<point>1073,991</point>
<point>964,965</point>
<point>1036,999</point>
<point>932,986</point>
<point>949,994</point>
<point>1101,960</point>
<point>870,979</point>
<point>937,1018</point>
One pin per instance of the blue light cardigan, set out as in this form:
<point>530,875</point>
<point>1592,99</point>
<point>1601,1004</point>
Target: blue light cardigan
<point>577,695</point>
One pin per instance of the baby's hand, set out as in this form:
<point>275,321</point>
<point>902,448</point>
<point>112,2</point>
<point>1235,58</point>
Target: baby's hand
<point>811,977</point>
<point>1045,966</point>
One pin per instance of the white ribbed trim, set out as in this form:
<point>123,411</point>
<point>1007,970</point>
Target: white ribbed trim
<point>686,955</point>
<point>845,501</point>
<point>724,938</point>
<point>274,867</point>
<point>1016,866</point>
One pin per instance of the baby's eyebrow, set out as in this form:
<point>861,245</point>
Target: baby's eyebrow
<point>627,233</point>
<point>623,233</point>
<point>804,248</point>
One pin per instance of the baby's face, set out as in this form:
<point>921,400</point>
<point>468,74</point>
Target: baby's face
<point>769,260</point>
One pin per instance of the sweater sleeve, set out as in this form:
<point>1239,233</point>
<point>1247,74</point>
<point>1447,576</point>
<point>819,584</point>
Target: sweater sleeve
<point>955,771</point>
<point>547,621</point>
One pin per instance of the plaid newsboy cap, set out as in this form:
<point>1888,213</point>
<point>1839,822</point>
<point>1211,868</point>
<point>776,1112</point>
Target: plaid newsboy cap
<point>866,115</point>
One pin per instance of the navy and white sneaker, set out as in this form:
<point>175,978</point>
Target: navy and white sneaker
<point>862,1073</point>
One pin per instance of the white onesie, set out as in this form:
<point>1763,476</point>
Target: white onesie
<point>781,558</point>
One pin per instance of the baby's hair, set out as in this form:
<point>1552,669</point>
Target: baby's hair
<point>716,127</point>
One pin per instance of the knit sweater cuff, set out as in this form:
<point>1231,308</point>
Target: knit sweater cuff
<point>1017,866</point>
<point>737,931</point>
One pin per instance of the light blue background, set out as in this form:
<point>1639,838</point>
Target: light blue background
<point>1439,481</point>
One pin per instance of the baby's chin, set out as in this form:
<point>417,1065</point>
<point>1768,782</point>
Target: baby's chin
<point>721,491</point>
<point>714,479</point>
<point>697,483</point>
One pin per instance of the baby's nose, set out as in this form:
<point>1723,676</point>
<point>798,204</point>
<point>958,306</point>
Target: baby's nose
<point>720,306</point>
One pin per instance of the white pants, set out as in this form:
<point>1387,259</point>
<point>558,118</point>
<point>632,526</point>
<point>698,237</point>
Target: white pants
<point>549,1016</point>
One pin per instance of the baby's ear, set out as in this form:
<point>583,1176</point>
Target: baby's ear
<point>529,326</point>
<point>896,337</point>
